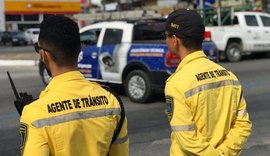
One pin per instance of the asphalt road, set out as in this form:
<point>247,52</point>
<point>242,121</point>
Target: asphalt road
<point>148,127</point>
<point>7,49</point>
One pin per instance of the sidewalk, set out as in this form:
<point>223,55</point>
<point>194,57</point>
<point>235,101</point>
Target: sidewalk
<point>20,59</point>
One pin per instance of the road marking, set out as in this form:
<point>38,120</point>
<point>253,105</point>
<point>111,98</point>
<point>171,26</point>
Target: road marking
<point>162,141</point>
<point>18,62</point>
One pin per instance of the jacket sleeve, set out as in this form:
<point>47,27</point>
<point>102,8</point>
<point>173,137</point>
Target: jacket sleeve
<point>184,134</point>
<point>120,147</point>
<point>239,133</point>
<point>32,141</point>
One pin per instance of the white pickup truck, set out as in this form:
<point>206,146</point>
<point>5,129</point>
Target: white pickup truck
<point>249,33</point>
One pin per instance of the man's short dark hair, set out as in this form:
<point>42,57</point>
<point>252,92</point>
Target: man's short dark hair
<point>60,35</point>
<point>189,43</point>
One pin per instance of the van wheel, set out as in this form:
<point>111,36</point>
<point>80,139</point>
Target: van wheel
<point>44,75</point>
<point>138,87</point>
<point>233,52</point>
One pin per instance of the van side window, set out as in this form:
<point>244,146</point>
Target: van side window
<point>251,20</point>
<point>112,36</point>
<point>265,21</point>
<point>90,37</point>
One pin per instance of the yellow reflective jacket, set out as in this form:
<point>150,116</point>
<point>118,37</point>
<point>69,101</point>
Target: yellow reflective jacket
<point>206,108</point>
<point>72,117</point>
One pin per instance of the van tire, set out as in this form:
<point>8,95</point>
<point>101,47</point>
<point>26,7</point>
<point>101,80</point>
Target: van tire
<point>138,86</point>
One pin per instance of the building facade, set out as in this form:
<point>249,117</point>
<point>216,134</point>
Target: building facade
<point>23,14</point>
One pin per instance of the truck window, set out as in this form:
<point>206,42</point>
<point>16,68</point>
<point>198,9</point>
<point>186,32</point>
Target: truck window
<point>90,37</point>
<point>265,21</point>
<point>251,20</point>
<point>235,20</point>
<point>112,36</point>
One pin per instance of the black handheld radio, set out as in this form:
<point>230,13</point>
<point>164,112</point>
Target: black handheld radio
<point>22,98</point>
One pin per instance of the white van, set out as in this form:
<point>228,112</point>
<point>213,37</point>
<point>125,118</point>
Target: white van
<point>32,35</point>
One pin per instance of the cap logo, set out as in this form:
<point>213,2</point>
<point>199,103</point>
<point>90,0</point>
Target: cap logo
<point>175,26</point>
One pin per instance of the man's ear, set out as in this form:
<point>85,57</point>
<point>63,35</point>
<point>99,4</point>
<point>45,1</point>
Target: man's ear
<point>44,55</point>
<point>175,41</point>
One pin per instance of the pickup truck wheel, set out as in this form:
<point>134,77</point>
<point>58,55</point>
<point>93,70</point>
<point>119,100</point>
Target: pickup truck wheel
<point>233,52</point>
<point>44,75</point>
<point>137,86</point>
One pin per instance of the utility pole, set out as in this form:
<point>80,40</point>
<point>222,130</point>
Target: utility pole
<point>219,12</point>
<point>201,8</point>
<point>219,3</point>
<point>2,16</point>
<point>201,5</point>
<point>103,2</point>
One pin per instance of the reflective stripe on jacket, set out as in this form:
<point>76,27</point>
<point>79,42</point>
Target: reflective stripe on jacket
<point>206,109</point>
<point>73,117</point>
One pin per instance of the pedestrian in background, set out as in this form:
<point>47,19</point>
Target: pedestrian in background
<point>204,101</point>
<point>73,116</point>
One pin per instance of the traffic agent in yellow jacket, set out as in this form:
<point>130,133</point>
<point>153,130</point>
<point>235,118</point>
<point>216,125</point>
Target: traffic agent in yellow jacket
<point>73,117</point>
<point>206,108</point>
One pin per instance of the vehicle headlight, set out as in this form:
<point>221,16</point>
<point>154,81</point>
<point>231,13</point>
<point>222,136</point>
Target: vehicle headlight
<point>14,39</point>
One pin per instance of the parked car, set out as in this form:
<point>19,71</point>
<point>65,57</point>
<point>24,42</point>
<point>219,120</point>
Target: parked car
<point>32,35</point>
<point>128,53</point>
<point>18,38</point>
<point>5,37</point>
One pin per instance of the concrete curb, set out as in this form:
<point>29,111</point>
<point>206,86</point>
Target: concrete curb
<point>19,62</point>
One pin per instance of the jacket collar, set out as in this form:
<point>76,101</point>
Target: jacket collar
<point>60,79</point>
<point>193,56</point>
